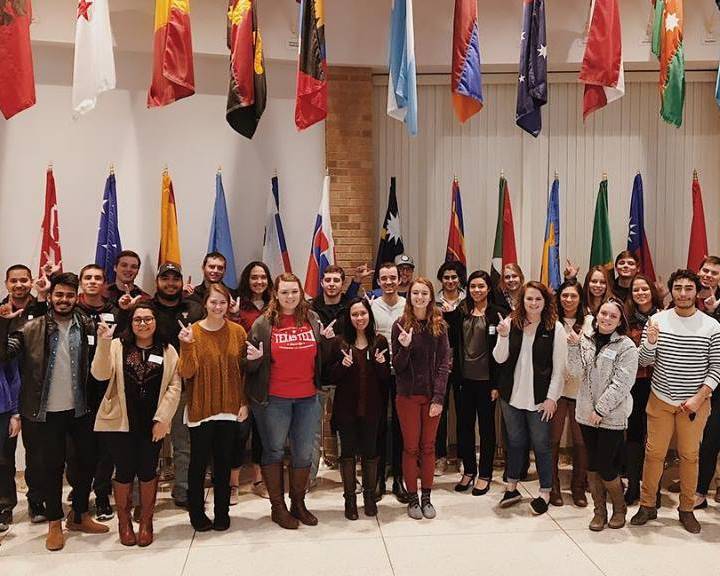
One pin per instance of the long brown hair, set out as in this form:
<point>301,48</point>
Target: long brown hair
<point>655,300</point>
<point>587,297</point>
<point>515,267</point>
<point>548,317</point>
<point>435,323</point>
<point>273,310</point>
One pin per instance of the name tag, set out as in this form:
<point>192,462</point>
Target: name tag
<point>609,354</point>
<point>91,340</point>
<point>107,317</point>
<point>30,317</point>
<point>492,330</point>
<point>155,359</point>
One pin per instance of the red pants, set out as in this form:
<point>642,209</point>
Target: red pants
<point>419,432</point>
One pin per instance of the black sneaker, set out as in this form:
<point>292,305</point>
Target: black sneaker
<point>5,520</point>
<point>401,494</point>
<point>37,512</point>
<point>509,498</point>
<point>538,506</point>
<point>103,510</point>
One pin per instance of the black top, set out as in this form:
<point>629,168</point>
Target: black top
<point>601,341</point>
<point>143,372</point>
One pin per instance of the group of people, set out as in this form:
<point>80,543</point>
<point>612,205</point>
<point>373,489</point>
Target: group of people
<point>96,374</point>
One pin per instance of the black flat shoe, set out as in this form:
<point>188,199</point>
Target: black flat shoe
<point>401,494</point>
<point>481,491</point>
<point>702,505</point>
<point>462,486</point>
<point>221,524</point>
<point>509,498</point>
<point>201,523</point>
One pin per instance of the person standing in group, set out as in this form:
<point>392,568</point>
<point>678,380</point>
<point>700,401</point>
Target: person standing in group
<point>127,268</point>
<point>421,357</point>
<point>10,425</point>
<point>506,295</point>
<point>596,290</point>
<point>284,367</point>
<point>532,351</point>
<point>626,266</point>
<point>708,299</point>
<point>570,307</point>
<point>359,367</point>
<point>211,353</point>
<point>213,269</point>
<point>683,346</point>
<point>135,413</point>
<point>606,362</point>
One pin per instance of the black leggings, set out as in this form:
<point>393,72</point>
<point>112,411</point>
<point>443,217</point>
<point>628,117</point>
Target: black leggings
<point>476,406</point>
<point>604,449</point>
<point>134,455</point>
<point>709,448</point>
<point>358,438</point>
<point>242,430</point>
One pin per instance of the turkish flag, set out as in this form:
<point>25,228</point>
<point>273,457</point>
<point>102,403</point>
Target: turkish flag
<point>17,81</point>
<point>50,227</point>
<point>698,249</point>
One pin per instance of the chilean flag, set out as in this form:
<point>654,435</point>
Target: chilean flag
<point>322,250</point>
<point>637,239</point>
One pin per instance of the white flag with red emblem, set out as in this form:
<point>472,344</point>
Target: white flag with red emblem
<point>94,70</point>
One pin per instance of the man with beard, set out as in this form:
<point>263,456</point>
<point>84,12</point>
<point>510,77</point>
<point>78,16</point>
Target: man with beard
<point>127,267</point>
<point>213,268</point>
<point>54,367</point>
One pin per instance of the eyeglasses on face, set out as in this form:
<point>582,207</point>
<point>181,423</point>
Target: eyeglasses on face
<point>138,321</point>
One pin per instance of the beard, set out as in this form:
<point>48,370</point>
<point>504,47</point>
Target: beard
<point>171,297</point>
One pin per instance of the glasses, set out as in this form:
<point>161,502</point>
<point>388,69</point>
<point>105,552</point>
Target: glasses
<point>138,321</point>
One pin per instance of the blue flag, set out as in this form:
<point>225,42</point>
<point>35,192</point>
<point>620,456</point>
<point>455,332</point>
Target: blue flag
<point>637,241</point>
<point>220,238</point>
<point>532,79</point>
<point>108,240</point>
<point>402,85</point>
<point>550,269</point>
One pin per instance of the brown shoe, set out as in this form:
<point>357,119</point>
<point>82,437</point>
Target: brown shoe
<point>579,499</point>
<point>273,477</point>
<point>148,495</point>
<point>123,503</point>
<point>55,538</point>
<point>689,522</point>
<point>579,476</point>
<point>86,524</point>
<point>556,498</point>
<point>643,515</point>
<point>298,485</point>
<point>617,497</point>
<point>599,496</point>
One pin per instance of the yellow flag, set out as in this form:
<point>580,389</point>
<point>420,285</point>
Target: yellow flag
<point>169,233</point>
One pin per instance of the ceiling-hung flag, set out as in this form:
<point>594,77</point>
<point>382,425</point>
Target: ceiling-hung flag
<point>504,251</point>
<point>16,64</point>
<point>637,242</point>
<point>550,274</point>
<point>467,87</point>
<point>173,73</point>
<point>275,251</point>
<point>602,71</point>
<point>94,67</point>
<point>248,89</point>
<point>322,249</point>
<point>108,240</point>
<point>698,248</point>
<point>667,45</point>
<point>391,243</point>
<point>402,81</point>
<point>50,251</point>
<point>717,82</point>
<point>532,79</point>
<point>169,230</point>
<point>455,251</point>
<point>220,237</point>
<point>311,96</point>
<point>601,253</point>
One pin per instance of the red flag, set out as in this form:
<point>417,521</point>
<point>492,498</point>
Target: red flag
<point>50,252</point>
<point>311,97</point>
<point>698,248</point>
<point>455,251</point>
<point>17,81</point>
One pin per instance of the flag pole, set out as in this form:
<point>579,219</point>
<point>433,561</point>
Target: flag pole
<point>695,174</point>
<point>112,169</point>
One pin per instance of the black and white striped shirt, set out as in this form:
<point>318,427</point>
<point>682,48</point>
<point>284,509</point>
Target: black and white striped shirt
<point>685,357</point>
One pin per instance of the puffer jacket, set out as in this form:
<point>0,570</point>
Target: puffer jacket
<point>606,379</point>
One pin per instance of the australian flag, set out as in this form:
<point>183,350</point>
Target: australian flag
<point>532,79</point>
<point>391,244</point>
<point>637,240</point>
<point>108,240</point>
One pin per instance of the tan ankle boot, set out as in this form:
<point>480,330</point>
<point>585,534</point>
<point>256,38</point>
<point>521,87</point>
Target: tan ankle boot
<point>615,492</point>
<point>55,538</point>
<point>86,524</point>
<point>599,496</point>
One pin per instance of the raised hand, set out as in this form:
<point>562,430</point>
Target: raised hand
<point>185,335</point>
<point>50,267</point>
<point>105,332</point>
<point>188,288</point>
<point>571,270</point>
<point>42,285</point>
<point>328,332</point>
<point>347,360</point>
<point>370,298</point>
<point>653,331</point>
<point>380,356</point>
<point>405,338</point>
<point>126,301</point>
<point>234,306</point>
<point>254,353</point>
<point>711,303</point>
<point>503,327</point>
<point>362,272</point>
<point>6,312</point>
<point>661,288</point>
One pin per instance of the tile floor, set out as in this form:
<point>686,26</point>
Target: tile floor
<point>471,535</point>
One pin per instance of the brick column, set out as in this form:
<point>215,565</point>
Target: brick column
<point>348,144</point>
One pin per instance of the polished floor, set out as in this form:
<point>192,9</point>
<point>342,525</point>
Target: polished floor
<point>470,536</point>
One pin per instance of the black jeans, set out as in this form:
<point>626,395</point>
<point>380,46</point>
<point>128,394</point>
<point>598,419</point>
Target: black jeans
<point>242,431</point>
<point>476,405</point>
<point>33,474</point>
<point>255,443</point>
<point>604,449</point>
<point>709,448</point>
<point>441,440</point>
<point>637,422</point>
<point>358,438</point>
<point>389,431</point>
<point>134,454</point>
<point>103,467</point>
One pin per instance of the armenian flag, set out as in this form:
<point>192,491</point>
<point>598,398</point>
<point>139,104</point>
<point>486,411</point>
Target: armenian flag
<point>467,87</point>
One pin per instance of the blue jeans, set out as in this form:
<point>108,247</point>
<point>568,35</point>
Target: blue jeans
<point>525,428</point>
<point>281,418</point>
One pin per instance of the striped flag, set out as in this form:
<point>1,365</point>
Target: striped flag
<point>220,236</point>
<point>601,253</point>
<point>455,251</point>
<point>108,240</point>
<point>466,74</point>
<point>169,230</point>
<point>50,251</point>
<point>311,95</point>
<point>504,251</point>
<point>637,239</point>
<point>698,248</point>
<point>550,274</point>
<point>275,251</point>
<point>402,82</point>
<point>322,249</point>
<point>667,45</point>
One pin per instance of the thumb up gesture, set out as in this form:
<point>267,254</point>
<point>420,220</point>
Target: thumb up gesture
<point>653,331</point>
<point>503,327</point>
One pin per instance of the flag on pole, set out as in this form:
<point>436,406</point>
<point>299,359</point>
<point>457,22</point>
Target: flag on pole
<point>504,251</point>
<point>602,69</point>
<point>220,237</point>
<point>637,241</point>
<point>698,249</point>
<point>275,251</point>
<point>455,251</point>
<point>667,45</point>
<point>601,253</point>
<point>94,68</point>
<point>391,243</point>
<point>50,251</point>
<point>402,82</point>
<point>466,87</point>
<point>717,87</point>
<point>532,79</point>
<point>248,89</point>
<point>169,230</point>
<point>550,274</point>
<point>311,97</point>
<point>16,65</point>
<point>173,73</point>
<point>322,249</point>
<point>108,240</point>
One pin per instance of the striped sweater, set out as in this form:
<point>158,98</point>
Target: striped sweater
<point>685,357</point>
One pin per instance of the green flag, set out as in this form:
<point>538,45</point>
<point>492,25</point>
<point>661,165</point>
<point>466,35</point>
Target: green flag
<point>504,251</point>
<point>601,251</point>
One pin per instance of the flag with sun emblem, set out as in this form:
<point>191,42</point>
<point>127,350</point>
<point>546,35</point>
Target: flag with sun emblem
<point>391,243</point>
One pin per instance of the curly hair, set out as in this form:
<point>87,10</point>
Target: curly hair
<point>301,311</point>
<point>436,324</point>
<point>244,291</point>
<point>548,316</point>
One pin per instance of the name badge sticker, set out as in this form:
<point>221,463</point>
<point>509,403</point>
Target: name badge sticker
<point>107,317</point>
<point>155,359</point>
<point>91,340</point>
<point>492,330</point>
<point>609,354</point>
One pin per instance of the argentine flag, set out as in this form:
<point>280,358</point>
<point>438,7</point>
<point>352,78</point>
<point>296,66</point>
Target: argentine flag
<point>402,85</point>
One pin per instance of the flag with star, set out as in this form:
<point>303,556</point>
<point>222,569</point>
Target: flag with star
<point>50,251</point>
<point>16,63</point>
<point>391,243</point>
<point>94,67</point>
<point>637,241</point>
<point>108,240</point>
<point>504,249</point>
<point>667,45</point>
<point>532,80</point>
<point>717,82</point>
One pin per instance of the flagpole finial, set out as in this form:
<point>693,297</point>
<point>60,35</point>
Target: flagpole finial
<point>695,174</point>
<point>219,168</point>
<point>502,173</point>
<point>638,172</point>
<point>50,166</point>
<point>327,171</point>
<point>112,168</point>
<point>556,175</point>
<point>604,176</point>
<point>275,173</point>
<point>165,169</point>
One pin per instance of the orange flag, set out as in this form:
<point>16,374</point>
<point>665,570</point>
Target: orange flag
<point>169,232</point>
<point>173,74</point>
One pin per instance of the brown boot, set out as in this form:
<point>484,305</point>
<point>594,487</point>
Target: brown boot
<point>86,524</point>
<point>55,539</point>
<point>298,486</point>
<point>615,492</point>
<point>123,503</point>
<point>273,477</point>
<point>689,522</point>
<point>599,496</point>
<point>347,473</point>
<point>369,481</point>
<point>148,495</point>
<point>579,476</point>
<point>556,498</point>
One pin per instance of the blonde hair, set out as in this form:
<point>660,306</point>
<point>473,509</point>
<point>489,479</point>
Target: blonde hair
<point>435,323</point>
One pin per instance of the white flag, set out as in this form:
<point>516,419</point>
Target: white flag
<point>94,70</point>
